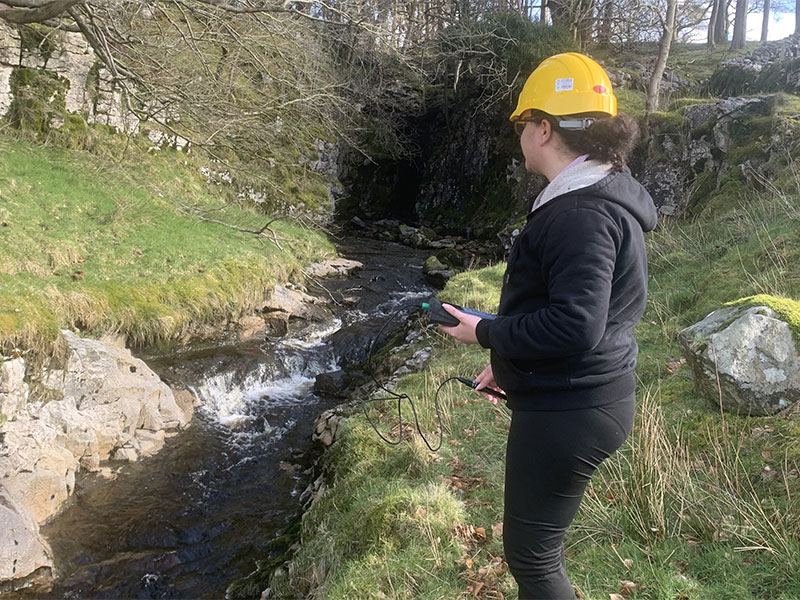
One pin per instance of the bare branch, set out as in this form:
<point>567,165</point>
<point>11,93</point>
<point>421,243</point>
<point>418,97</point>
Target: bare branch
<point>234,8</point>
<point>34,11</point>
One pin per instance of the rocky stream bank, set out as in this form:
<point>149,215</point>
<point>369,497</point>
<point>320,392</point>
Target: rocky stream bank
<point>70,431</point>
<point>101,408</point>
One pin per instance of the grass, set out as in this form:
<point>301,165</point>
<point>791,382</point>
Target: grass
<point>118,246</point>
<point>695,506</point>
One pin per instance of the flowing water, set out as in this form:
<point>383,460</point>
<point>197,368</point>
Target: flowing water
<point>190,520</point>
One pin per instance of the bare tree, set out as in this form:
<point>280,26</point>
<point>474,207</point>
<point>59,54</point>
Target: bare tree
<point>690,16</point>
<point>653,88</point>
<point>574,15</point>
<point>34,11</point>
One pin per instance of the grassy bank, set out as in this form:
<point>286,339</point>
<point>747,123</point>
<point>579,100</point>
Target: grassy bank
<point>141,245</point>
<point>696,505</point>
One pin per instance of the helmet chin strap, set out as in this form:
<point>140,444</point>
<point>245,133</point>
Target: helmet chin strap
<point>576,124</point>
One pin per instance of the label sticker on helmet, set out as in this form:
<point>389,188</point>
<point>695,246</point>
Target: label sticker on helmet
<point>565,85</point>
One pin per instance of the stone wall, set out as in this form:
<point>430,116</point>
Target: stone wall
<point>771,67</point>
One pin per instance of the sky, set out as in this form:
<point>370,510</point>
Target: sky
<point>781,25</point>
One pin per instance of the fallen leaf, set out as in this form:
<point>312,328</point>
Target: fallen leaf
<point>626,588</point>
<point>497,530</point>
<point>475,588</point>
<point>480,533</point>
<point>628,562</point>
<point>679,565</point>
<point>456,464</point>
<point>674,365</point>
<point>468,562</point>
<point>616,597</point>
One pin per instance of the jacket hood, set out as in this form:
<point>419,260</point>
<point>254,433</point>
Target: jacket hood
<point>619,187</point>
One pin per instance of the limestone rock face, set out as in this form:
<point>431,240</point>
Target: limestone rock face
<point>680,155</point>
<point>9,56</point>
<point>13,389</point>
<point>745,358</point>
<point>72,59</point>
<point>112,406</point>
<point>23,553</point>
<point>334,267</point>
<point>296,304</point>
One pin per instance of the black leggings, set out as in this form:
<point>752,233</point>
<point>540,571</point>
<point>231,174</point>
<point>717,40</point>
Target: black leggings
<point>550,458</point>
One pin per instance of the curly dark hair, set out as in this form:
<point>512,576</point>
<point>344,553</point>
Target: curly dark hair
<point>608,139</point>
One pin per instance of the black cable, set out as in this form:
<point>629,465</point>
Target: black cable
<point>400,397</point>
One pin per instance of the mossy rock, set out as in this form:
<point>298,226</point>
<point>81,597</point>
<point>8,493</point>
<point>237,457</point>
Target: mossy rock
<point>433,264</point>
<point>667,122</point>
<point>38,99</point>
<point>774,76</point>
<point>787,308</point>
<point>731,80</point>
<point>38,40</point>
<point>744,356</point>
<point>450,257</point>
<point>681,104</point>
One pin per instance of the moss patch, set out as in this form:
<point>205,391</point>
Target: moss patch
<point>38,99</point>
<point>788,309</point>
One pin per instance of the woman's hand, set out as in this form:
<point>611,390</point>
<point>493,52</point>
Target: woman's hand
<point>486,380</point>
<point>464,332</point>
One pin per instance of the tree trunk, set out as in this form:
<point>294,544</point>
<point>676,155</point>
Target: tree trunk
<point>604,30</point>
<point>711,39</point>
<point>765,21</point>
<point>664,45</point>
<point>721,27</point>
<point>558,13</point>
<point>739,25</point>
<point>586,24</point>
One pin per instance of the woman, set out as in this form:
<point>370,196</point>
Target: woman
<point>562,345</point>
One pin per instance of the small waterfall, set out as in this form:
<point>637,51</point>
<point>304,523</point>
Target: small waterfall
<point>238,398</point>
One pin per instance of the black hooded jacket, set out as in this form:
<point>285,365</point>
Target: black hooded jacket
<point>574,288</point>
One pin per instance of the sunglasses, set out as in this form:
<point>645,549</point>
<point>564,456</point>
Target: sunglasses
<point>519,124</point>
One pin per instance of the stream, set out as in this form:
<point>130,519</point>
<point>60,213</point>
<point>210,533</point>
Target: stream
<point>195,517</point>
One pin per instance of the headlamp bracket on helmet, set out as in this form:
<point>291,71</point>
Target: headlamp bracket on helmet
<point>576,124</point>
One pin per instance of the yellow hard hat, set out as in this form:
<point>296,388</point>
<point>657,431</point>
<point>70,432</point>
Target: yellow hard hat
<point>567,84</point>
